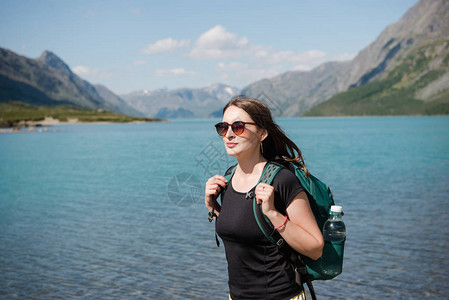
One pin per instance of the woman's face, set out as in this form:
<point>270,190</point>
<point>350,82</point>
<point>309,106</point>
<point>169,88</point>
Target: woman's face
<point>247,143</point>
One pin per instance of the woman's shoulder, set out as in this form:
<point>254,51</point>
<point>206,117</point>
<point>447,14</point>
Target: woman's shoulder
<point>287,185</point>
<point>285,176</point>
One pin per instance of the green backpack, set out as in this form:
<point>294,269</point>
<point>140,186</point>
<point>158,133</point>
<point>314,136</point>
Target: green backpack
<point>320,199</point>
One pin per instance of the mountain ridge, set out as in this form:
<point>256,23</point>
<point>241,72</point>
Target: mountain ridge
<point>424,22</point>
<point>48,80</point>
<point>414,87</point>
<point>182,102</point>
<point>417,79</point>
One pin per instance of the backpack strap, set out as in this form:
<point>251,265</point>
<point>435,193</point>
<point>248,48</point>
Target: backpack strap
<point>228,175</point>
<point>230,172</point>
<point>267,228</point>
<point>268,174</point>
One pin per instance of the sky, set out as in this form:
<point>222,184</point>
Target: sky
<point>147,45</point>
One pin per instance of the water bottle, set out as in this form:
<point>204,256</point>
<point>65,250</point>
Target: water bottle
<point>334,229</point>
<point>334,233</point>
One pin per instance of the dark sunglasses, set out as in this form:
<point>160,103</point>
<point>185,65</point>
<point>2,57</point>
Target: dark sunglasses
<point>237,127</point>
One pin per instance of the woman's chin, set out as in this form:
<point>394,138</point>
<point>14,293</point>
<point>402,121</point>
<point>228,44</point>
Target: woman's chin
<point>231,152</point>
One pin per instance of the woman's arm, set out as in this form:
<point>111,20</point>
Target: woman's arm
<point>300,230</point>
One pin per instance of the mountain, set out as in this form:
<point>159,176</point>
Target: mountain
<point>413,79</point>
<point>181,103</point>
<point>47,80</point>
<point>404,71</point>
<point>294,92</point>
<point>115,103</point>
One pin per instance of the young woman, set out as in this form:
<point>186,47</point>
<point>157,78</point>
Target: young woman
<point>256,268</point>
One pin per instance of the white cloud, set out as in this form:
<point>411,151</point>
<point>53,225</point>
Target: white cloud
<point>261,53</point>
<point>175,72</point>
<point>266,62</point>
<point>92,72</point>
<point>166,45</point>
<point>218,43</point>
<point>81,70</point>
<point>236,58</point>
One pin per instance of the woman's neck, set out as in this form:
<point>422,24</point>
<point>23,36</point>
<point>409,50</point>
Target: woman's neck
<point>251,164</point>
<point>248,172</point>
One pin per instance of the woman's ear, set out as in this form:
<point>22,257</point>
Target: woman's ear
<point>263,135</point>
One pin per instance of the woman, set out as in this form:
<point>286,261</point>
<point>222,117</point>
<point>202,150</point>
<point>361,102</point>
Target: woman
<point>256,268</point>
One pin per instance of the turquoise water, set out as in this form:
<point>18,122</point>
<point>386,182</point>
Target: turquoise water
<point>116,211</point>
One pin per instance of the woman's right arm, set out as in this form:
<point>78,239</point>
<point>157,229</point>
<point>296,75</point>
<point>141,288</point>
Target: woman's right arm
<point>214,186</point>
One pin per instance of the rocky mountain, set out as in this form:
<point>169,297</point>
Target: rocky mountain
<point>181,103</point>
<point>292,93</point>
<point>115,103</point>
<point>413,79</point>
<point>47,80</point>
<point>408,62</point>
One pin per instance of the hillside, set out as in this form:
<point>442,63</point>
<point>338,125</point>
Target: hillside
<point>406,65</point>
<point>47,80</point>
<point>19,114</point>
<point>292,93</point>
<point>417,80</point>
<point>417,86</point>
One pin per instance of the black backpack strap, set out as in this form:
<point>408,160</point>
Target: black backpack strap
<point>301,275</point>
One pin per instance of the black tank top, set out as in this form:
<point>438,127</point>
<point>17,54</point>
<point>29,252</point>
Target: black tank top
<point>256,268</point>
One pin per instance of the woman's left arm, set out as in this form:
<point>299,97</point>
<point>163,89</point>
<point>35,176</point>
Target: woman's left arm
<point>300,229</point>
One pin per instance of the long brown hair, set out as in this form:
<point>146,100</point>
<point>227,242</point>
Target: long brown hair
<point>276,145</point>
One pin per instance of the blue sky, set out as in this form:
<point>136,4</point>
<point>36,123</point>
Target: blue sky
<point>134,45</point>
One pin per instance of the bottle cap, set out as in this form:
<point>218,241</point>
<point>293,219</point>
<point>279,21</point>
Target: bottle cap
<point>336,208</point>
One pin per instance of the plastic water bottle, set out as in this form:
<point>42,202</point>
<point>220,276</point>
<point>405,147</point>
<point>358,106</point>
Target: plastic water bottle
<point>334,229</point>
<point>334,234</point>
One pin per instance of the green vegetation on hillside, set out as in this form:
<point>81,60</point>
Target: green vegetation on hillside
<point>394,94</point>
<point>15,113</point>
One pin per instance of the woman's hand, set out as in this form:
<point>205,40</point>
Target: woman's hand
<point>214,186</point>
<point>265,196</point>
<point>300,229</point>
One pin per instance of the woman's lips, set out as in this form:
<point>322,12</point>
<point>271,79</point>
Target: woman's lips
<point>231,145</point>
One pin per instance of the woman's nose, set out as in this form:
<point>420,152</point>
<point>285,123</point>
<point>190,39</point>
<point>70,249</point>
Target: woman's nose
<point>229,133</point>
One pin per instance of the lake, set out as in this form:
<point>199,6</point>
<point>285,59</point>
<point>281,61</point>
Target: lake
<point>116,211</point>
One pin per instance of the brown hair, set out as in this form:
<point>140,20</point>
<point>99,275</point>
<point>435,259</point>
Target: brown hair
<point>276,145</point>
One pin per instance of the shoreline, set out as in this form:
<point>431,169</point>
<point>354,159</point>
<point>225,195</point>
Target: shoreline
<point>42,126</point>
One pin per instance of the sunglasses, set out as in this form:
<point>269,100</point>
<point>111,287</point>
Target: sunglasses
<point>237,127</point>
